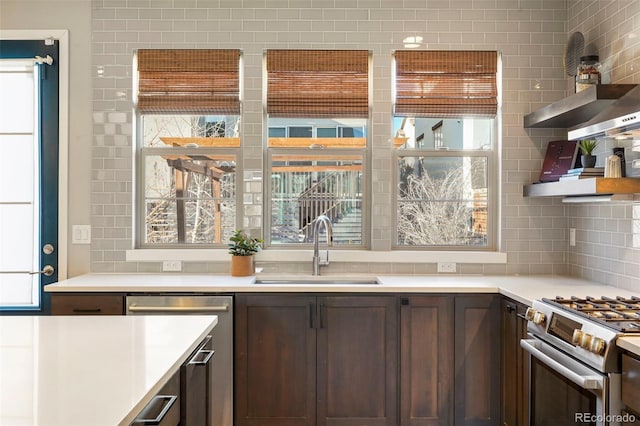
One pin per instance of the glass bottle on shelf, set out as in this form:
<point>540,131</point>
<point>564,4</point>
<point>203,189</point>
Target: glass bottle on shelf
<point>588,72</point>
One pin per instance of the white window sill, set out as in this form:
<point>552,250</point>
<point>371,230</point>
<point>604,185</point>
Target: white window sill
<point>274,255</point>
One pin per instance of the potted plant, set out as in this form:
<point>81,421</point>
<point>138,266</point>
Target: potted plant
<point>586,147</point>
<point>242,248</point>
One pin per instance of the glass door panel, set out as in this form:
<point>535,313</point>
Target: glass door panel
<point>19,184</point>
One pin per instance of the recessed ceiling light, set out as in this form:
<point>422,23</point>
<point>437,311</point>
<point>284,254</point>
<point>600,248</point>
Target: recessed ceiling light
<point>412,42</point>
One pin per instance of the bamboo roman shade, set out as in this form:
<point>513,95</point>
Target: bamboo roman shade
<point>446,84</point>
<point>318,83</point>
<point>192,81</point>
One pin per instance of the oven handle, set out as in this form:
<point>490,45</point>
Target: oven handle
<point>584,381</point>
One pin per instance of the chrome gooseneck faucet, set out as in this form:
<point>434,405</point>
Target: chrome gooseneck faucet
<point>322,219</point>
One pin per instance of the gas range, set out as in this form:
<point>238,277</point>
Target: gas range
<point>586,328</point>
<point>575,371</point>
<point>621,314</point>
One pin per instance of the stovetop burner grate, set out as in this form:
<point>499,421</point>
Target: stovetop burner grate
<point>621,314</point>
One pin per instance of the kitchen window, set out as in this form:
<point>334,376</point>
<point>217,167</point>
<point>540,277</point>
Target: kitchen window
<point>446,115</point>
<point>317,115</point>
<point>187,108</point>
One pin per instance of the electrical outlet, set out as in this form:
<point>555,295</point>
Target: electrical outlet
<point>446,266</point>
<point>172,265</point>
<point>572,237</point>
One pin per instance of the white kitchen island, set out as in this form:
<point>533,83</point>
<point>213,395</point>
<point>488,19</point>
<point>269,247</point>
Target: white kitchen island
<point>90,370</point>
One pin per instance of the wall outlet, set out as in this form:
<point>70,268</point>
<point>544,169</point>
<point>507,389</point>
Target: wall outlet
<point>172,265</point>
<point>572,237</point>
<point>447,267</point>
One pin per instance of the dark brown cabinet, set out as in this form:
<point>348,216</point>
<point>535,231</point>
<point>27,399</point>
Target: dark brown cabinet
<point>477,360</point>
<point>184,399</point>
<point>195,386</point>
<point>426,360</point>
<point>275,358</point>
<point>631,384</point>
<point>164,408</point>
<point>316,360</point>
<point>87,304</point>
<point>450,360</point>
<point>357,360</point>
<point>515,365</point>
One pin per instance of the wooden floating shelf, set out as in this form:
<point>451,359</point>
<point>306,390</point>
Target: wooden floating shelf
<point>591,186</point>
<point>577,108</point>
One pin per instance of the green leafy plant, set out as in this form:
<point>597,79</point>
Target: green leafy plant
<point>244,245</point>
<point>587,146</point>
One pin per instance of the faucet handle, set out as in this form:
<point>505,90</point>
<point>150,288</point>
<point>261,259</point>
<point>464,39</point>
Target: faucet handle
<point>324,262</point>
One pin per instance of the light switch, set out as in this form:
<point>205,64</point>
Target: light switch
<point>81,234</point>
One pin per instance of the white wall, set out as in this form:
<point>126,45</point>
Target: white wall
<point>74,16</point>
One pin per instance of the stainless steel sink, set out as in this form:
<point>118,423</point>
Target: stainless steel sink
<point>317,281</point>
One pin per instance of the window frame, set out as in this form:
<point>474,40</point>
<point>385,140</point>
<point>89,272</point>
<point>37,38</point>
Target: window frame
<point>141,152</point>
<point>494,173</point>
<point>365,152</point>
<point>139,193</point>
<point>492,197</point>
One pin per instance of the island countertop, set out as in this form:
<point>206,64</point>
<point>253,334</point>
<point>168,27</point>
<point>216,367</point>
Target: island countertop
<point>522,288</point>
<point>90,370</point>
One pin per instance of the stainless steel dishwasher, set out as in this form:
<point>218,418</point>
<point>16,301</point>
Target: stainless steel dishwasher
<point>222,338</point>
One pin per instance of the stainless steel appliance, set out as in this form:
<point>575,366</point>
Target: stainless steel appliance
<point>222,340</point>
<point>620,118</point>
<point>575,363</point>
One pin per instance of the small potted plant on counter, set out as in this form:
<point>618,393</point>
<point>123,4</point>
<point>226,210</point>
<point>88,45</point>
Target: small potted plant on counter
<point>242,248</point>
<point>586,147</point>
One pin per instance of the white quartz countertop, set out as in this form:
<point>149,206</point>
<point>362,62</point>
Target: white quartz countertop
<point>90,370</point>
<point>630,343</point>
<point>524,289</point>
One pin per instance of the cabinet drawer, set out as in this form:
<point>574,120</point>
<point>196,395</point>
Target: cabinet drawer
<point>87,304</point>
<point>164,408</point>
<point>631,382</point>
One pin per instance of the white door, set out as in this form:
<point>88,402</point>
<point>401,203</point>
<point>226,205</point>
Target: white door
<point>28,175</point>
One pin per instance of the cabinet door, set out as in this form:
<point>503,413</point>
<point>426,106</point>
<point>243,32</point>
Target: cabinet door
<point>195,385</point>
<point>426,360</point>
<point>631,382</point>
<point>275,360</point>
<point>164,408</point>
<point>357,360</point>
<point>515,365</point>
<point>477,360</point>
<point>522,366</point>
<point>87,304</point>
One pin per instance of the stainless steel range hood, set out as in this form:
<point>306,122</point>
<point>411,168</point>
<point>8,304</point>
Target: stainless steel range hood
<point>620,119</point>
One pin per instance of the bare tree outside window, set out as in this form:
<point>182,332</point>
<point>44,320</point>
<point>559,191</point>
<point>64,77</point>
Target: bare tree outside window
<point>189,186</point>
<point>442,201</point>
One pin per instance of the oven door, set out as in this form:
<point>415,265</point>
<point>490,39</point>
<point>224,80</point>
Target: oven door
<point>563,390</point>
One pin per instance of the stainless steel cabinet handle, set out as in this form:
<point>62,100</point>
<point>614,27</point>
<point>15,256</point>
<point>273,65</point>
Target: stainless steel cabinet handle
<point>522,316</point>
<point>169,400</point>
<point>204,361</point>
<point>136,308</point>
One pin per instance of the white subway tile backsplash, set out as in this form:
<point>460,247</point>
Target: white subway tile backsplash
<point>530,34</point>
